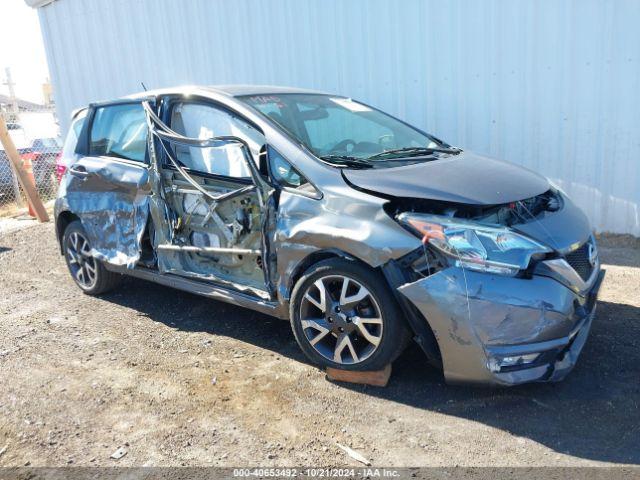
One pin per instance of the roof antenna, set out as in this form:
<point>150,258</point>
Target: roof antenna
<point>143,86</point>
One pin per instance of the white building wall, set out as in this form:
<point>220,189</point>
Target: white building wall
<point>550,84</point>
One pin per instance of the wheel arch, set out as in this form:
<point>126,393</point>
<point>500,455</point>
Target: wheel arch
<point>396,275</point>
<point>316,257</point>
<point>63,220</point>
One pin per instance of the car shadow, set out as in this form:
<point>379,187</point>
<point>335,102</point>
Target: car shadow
<point>592,414</point>
<point>193,313</point>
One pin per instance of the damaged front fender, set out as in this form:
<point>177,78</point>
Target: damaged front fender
<point>360,230</point>
<point>476,317</point>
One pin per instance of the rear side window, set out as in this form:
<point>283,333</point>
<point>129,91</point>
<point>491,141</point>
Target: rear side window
<point>119,131</point>
<point>69,147</point>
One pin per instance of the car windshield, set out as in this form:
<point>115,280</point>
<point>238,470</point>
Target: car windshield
<point>341,130</point>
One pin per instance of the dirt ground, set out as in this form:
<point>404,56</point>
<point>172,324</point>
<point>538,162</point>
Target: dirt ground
<point>176,379</point>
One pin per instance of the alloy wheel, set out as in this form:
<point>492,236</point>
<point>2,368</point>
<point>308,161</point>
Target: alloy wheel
<point>81,263</point>
<point>341,319</point>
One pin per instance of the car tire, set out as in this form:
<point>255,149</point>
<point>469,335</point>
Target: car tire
<point>366,350</point>
<point>87,272</point>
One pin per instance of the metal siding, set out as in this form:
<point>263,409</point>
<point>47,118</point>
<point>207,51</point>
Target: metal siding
<point>552,85</point>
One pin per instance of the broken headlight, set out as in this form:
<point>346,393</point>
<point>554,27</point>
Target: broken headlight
<point>474,246</point>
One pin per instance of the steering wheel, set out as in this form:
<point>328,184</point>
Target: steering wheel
<point>384,138</point>
<point>342,146</point>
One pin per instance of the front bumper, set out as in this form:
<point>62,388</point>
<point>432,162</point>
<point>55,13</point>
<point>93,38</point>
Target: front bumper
<point>480,319</point>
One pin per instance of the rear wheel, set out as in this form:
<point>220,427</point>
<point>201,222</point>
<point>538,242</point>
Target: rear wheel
<point>88,272</point>
<point>344,316</point>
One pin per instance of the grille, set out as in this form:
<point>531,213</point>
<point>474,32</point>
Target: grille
<point>579,261</point>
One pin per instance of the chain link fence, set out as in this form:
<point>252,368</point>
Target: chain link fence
<point>35,133</point>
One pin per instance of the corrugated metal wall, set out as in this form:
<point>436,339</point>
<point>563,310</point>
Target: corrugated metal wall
<point>553,85</point>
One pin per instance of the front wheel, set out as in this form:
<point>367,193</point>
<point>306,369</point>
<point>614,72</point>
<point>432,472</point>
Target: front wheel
<point>88,272</point>
<point>344,316</point>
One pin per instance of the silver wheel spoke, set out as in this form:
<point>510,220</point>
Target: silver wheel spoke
<point>72,257</point>
<point>352,350</point>
<point>341,319</point>
<point>322,304</point>
<point>351,301</point>
<point>344,342</point>
<point>362,330</point>
<point>85,251</point>
<point>74,241</point>
<point>343,291</point>
<point>81,263</point>
<point>91,270</point>
<point>316,325</point>
<point>374,321</point>
<point>314,301</point>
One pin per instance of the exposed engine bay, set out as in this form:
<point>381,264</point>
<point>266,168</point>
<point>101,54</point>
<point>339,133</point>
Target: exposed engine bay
<point>521,212</point>
<point>508,214</point>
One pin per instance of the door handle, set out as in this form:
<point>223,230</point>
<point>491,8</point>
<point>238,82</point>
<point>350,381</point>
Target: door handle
<point>79,171</point>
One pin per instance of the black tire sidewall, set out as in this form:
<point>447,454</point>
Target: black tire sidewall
<point>394,333</point>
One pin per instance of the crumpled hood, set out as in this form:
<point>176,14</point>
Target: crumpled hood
<point>463,178</point>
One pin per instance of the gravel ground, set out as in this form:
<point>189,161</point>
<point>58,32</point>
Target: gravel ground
<point>175,379</point>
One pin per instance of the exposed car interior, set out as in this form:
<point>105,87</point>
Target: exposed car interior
<point>203,224</point>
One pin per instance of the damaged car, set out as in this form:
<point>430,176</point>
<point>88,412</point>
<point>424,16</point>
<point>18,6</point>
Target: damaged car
<point>361,230</point>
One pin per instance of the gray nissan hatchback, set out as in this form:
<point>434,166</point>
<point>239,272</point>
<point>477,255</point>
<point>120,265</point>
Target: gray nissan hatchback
<point>360,229</point>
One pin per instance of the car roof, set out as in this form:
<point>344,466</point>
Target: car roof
<point>241,90</point>
<point>228,90</point>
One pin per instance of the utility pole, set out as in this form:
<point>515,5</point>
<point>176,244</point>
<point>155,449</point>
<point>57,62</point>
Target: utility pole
<point>12,96</point>
<point>27,182</point>
<point>12,115</point>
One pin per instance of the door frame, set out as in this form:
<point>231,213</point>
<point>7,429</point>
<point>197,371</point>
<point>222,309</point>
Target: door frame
<point>95,208</point>
<point>161,142</point>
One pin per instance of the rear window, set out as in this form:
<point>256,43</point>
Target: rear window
<point>119,131</point>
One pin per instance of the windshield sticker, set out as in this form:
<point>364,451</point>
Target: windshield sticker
<point>262,99</point>
<point>351,105</point>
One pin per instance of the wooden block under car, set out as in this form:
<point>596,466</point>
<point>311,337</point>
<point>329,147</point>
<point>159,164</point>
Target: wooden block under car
<point>379,378</point>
